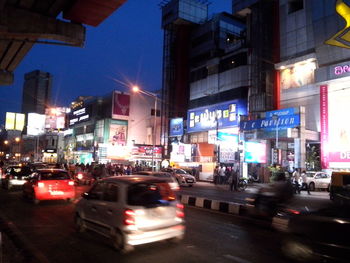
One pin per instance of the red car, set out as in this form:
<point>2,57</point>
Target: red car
<point>49,184</point>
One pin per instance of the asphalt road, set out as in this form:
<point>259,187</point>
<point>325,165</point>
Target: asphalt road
<point>210,237</point>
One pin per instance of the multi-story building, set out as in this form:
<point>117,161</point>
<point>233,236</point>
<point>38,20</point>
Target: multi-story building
<point>205,58</point>
<point>119,127</point>
<point>36,92</point>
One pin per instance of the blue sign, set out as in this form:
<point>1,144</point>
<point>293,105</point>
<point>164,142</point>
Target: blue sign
<point>176,127</point>
<point>217,116</point>
<point>282,112</point>
<point>283,122</point>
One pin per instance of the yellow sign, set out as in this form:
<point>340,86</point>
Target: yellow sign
<point>342,38</point>
<point>10,121</point>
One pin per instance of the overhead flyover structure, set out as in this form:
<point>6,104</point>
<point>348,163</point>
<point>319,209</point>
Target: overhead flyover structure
<point>24,23</point>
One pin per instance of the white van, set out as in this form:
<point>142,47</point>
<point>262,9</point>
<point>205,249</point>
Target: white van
<point>131,210</point>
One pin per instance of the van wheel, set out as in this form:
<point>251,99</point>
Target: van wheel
<point>79,224</point>
<point>118,243</point>
<point>312,186</point>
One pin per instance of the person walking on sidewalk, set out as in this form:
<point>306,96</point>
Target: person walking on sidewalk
<point>304,182</point>
<point>233,180</point>
<point>216,175</point>
<point>222,174</point>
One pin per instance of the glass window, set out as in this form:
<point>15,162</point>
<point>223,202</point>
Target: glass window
<point>96,191</point>
<point>150,194</point>
<point>295,5</point>
<point>111,193</point>
<point>54,176</point>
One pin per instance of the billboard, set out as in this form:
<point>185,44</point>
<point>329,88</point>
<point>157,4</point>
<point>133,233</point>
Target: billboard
<point>120,105</point>
<point>36,124</point>
<point>299,75</point>
<point>14,121</point>
<point>255,152</point>
<point>117,134</point>
<point>176,127</point>
<point>217,116</point>
<point>55,118</point>
<point>335,146</point>
<point>79,113</point>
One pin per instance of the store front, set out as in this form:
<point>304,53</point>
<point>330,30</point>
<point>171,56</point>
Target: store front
<point>334,112</point>
<point>214,132</point>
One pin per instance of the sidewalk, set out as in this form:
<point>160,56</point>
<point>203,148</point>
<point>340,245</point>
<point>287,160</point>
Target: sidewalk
<point>220,198</point>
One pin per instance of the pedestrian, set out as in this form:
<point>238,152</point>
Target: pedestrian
<point>216,175</point>
<point>304,182</point>
<point>222,174</point>
<point>296,181</point>
<point>233,180</point>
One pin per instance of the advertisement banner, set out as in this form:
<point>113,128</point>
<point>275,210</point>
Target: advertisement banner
<point>55,118</point>
<point>36,124</point>
<point>146,152</point>
<point>324,125</point>
<point>299,75</point>
<point>14,121</point>
<point>121,104</point>
<point>10,120</point>
<point>117,134</point>
<point>176,127</point>
<point>255,152</point>
<point>338,144</point>
<point>217,116</point>
<point>80,114</point>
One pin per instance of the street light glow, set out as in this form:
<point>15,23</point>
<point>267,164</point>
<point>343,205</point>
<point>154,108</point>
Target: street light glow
<point>135,88</point>
<point>17,139</point>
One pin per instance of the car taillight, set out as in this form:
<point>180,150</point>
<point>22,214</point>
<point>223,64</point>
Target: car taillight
<point>41,184</point>
<point>129,217</point>
<point>180,210</point>
<point>71,183</point>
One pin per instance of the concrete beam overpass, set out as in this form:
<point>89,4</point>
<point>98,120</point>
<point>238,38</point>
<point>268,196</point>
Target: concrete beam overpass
<point>24,23</point>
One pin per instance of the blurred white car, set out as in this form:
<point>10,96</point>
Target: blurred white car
<point>131,210</point>
<point>318,180</point>
<point>182,177</point>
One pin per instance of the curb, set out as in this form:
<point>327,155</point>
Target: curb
<point>216,205</point>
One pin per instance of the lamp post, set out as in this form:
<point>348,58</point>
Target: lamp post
<point>136,89</point>
<point>275,117</point>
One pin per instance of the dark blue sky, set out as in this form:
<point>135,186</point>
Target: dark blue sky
<point>127,46</point>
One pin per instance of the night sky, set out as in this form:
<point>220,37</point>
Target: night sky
<point>125,48</point>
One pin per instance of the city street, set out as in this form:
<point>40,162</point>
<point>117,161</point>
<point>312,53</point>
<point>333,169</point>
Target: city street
<point>210,237</point>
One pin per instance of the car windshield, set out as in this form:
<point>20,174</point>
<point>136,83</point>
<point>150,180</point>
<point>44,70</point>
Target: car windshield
<point>59,175</point>
<point>19,171</point>
<point>150,194</point>
<point>180,171</point>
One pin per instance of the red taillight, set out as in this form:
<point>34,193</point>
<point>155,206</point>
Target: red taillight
<point>71,183</point>
<point>129,217</point>
<point>295,212</point>
<point>41,184</point>
<point>180,210</point>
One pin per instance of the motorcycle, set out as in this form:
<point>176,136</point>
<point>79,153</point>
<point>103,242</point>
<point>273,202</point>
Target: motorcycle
<point>268,199</point>
<point>242,184</point>
<point>83,178</point>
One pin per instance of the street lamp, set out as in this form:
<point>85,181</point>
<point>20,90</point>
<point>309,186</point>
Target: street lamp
<point>136,89</point>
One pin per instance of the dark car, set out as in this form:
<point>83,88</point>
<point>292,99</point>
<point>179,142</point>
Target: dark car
<point>318,236</point>
<point>15,176</point>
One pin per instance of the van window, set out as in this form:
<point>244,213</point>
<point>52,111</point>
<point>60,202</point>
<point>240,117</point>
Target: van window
<point>346,180</point>
<point>150,194</point>
<point>111,193</point>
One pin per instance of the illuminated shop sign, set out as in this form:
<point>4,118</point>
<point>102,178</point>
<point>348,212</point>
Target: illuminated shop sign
<point>216,116</point>
<point>79,115</point>
<point>282,122</point>
<point>146,152</point>
<point>339,70</point>
<point>176,127</point>
<point>282,112</point>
